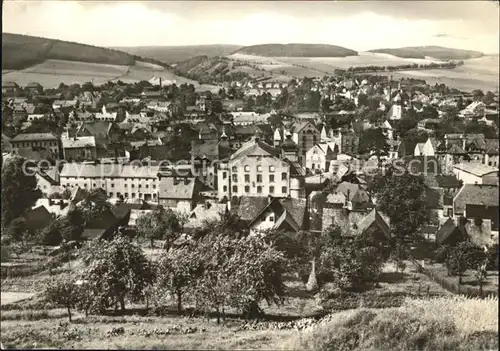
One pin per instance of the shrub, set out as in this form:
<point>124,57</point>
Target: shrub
<point>62,291</point>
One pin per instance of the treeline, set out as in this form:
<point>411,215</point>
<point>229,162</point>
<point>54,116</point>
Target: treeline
<point>414,66</point>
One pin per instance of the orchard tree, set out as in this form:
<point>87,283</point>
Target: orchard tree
<point>63,292</point>
<point>465,255</point>
<point>19,189</point>
<point>402,197</point>
<point>116,270</point>
<point>238,273</point>
<point>159,224</point>
<point>178,270</point>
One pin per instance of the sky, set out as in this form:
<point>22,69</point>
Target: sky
<point>357,25</point>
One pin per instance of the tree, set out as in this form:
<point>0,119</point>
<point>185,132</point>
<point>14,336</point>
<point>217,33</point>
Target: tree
<point>489,98</point>
<point>403,199</point>
<point>16,231</point>
<point>238,272</point>
<point>63,292</point>
<point>478,94</point>
<point>373,141</point>
<point>19,189</point>
<point>159,224</point>
<point>116,270</point>
<point>178,270</point>
<point>465,255</point>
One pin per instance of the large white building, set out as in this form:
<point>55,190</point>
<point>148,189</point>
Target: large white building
<point>258,169</point>
<point>127,180</point>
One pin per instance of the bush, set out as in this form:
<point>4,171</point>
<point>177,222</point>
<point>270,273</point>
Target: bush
<point>437,324</point>
<point>441,254</point>
<point>5,253</point>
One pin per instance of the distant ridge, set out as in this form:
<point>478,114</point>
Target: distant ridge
<point>173,54</point>
<point>437,52</point>
<point>22,51</point>
<point>296,50</point>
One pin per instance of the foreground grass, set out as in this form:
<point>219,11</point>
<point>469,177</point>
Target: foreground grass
<point>445,323</point>
<point>138,333</point>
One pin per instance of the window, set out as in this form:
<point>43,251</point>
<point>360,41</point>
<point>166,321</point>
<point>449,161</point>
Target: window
<point>271,178</point>
<point>112,185</point>
<point>271,219</point>
<point>235,178</point>
<point>224,188</point>
<point>154,186</point>
<point>85,185</point>
<point>247,189</point>
<point>133,195</point>
<point>224,175</point>
<point>450,212</point>
<point>126,194</point>
<point>284,190</point>
<point>259,190</point>
<point>147,186</point>
<point>247,178</point>
<point>247,168</point>
<point>234,169</point>
<point>259,168</point>
<point>154,196</point>
<point>259,178</point>
<point>271,168</point>
<point>94,185</point>
<point>140,186</point>
<point>271,190</point>
<point>110,194</point>
<point>125,185</point>
<point>284,176</point>
<point>235,189</point>
<point>132,186</point>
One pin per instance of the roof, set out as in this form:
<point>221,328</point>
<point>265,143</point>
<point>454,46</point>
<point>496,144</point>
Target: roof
<point>475,168</point>
<point>205,148</point>
<point>255,147</point>
<point>374,218</point>
<point>34,137</point>
<point>54,208</point>
<point>9,85</point>
<point>447,229</point>
<point>250,207</point>
<point>491,146</point>
<point>37,218</point>
<point>475,194</point>
<point>78,142</point>
<point>177,188</point>
<point>204,212</point>
<point>108,170</point>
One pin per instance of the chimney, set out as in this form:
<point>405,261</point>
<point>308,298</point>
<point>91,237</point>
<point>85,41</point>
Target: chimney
<point>186,181</point>
<point>176,181</point>
<point>464,137</point>
<point>208,205</point>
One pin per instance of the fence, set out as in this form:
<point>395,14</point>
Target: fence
<point>452,286</point>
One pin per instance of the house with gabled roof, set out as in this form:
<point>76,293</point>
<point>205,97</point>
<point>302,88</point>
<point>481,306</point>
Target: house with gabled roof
<point>258,169</point>
<point>260,214</point>
<point>179,193</point>
<point>477,201</point>
<point>426,149</point>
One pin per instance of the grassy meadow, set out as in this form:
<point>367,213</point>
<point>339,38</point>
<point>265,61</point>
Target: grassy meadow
<point>404,310</point>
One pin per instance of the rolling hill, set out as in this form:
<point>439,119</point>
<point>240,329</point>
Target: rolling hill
<point>296,50</point>
<point>173,54</point>
<point>23,51</point>
<point>437,52</point>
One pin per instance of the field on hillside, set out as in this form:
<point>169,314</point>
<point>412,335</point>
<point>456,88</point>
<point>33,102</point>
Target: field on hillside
<point>479,73</point>
<point>52,72</point>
